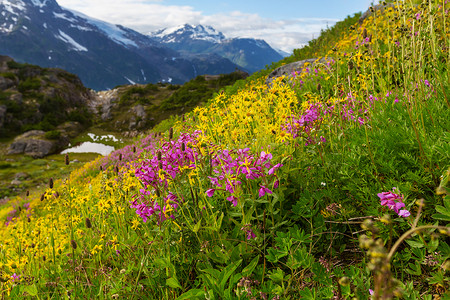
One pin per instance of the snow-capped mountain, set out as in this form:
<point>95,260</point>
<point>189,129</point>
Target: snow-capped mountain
<point>104,55</point>
<point>188,32</point>
<point>249,54</point>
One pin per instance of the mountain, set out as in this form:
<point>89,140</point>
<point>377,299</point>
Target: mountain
<point>194,40</point>
<point>103,55</point>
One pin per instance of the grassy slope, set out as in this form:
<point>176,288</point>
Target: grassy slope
<point>337,134</point>
<point>161,102</point>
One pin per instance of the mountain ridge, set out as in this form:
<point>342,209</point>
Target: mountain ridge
<point>102,54</point>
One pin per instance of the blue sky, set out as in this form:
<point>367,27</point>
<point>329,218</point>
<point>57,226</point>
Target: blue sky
<point>285,25</point>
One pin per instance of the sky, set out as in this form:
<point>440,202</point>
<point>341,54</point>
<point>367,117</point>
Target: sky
<point>284,24</point>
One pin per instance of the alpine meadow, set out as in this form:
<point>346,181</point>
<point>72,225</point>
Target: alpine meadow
<point>327,182</point>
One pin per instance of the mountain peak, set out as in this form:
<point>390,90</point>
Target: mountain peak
<point>14,6</point>
<point>193,32</point>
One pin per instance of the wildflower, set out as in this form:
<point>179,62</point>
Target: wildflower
<point>276,184</point>
<point>210,192</point>
<point>394,202</point>
<point>263,190</point>
<point>135,224</point>
<point>15,277</point>
<point>274,168</point>
<point>404,213</point>
<point>232,199</point>
<point>250,234</point>
<point>96,249</point>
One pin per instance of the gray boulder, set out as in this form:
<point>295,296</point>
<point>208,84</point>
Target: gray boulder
<point>6,83</point>
<point>2,115</point>
<point>139,111</point>
<point>290,69</point>
<point>33,143</point>
<point>379,8</point>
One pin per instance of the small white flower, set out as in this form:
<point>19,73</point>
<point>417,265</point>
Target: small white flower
<point>323,184</point>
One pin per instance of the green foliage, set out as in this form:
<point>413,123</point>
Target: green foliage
<point>53,135</point>
<point>198,90</point>
<point>29,84</point>
<point>9,75</point>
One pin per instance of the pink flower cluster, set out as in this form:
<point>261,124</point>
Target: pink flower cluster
<point>305,123</point>
<point>155,172</point>
<point>227,170</point>
<point>394,202</point>
<point>230,167</point>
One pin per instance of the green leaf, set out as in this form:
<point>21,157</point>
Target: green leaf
<point>197,226</point>
<point>443,210</point>
<point>441,217</point>
<point>308,294</point>
<point>277,276</point>
<point>227,272</point>
<point>31,289</point>
<point>173,283</point>
<point>192,294</point>
<point>415,244</point>
<point>251,266</point>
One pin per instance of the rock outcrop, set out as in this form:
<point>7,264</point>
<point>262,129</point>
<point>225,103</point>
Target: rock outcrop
<point>34,144</point>
<point>35,97</point>
<point>2,114</point>
<point>379,8</point>
<point>295,67</point>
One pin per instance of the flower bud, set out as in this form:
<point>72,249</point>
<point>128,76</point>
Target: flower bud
<point>344,281</point>
<point>74,244</point>
<point>88,223</point>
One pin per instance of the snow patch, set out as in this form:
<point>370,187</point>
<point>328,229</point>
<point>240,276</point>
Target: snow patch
<point>6,29</point>
<point>143,75</point>
<point>45,25</point>
<point>112,31</point>
<point>12,7</point>
<point>129,80</point>
<point>66,38</point>
<point>82,28</point>
<point>39,3</point>
<point>63,16</point>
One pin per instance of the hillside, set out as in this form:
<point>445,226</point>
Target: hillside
<point>327,182</point>
<point>32,97</point>
<point>56,104</point>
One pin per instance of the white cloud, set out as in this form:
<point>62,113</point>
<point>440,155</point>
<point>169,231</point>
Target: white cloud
<point>148,16</point>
